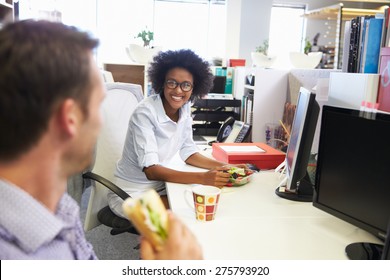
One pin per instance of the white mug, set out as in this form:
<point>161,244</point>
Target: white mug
<point>205,201</point>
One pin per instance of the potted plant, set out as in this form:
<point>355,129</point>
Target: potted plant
<point>260,56</point>
<point>308,46</point>
<point>263,48</point>
<point>146,36</point>
<point>143,54</point>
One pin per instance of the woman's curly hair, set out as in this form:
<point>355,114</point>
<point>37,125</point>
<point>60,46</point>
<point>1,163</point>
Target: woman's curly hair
<point>187,59</point>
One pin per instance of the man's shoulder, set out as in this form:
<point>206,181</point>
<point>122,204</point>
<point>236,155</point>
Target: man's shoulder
<point>8,245</point>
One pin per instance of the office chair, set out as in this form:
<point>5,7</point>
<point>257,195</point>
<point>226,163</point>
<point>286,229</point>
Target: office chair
<point>107,76</point>
<point>120,102</point>
<point>75,184</point>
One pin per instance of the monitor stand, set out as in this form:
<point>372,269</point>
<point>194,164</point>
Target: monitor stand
<point>364,251</point>
<point>303,193</point>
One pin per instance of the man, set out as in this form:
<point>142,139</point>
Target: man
<point>50,93</point>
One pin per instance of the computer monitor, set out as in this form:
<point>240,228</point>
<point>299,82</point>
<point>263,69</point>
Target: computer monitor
<point>299,186</point>
<point>353,175</point>
<point>386,248</point>
<point>219,84</point>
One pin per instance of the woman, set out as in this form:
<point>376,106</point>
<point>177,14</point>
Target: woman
<point>161,126</point>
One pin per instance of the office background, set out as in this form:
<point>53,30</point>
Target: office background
<point>247,23</point>
<point>225,28</point>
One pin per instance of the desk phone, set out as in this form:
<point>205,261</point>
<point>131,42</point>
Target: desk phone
<point>232,131</point>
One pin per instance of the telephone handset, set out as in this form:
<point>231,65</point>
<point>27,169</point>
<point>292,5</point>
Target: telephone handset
<point>232,131</point>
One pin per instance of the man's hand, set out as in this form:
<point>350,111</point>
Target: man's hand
<point>180,245</point>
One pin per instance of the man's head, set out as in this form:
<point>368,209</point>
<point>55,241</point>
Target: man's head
<point>47,72</point>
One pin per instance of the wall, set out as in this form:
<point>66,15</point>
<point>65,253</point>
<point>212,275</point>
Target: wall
<point>247,26</point>
<point>248,23</point>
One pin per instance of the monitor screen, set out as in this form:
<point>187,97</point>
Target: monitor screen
<point>219,84</point>
<point>352,180</point>
<point>299,186</point>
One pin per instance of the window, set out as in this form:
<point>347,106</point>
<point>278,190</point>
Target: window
<point>194,24</point>
<point>118,22</point>
<point>287,29</point>
<point>197,25</point>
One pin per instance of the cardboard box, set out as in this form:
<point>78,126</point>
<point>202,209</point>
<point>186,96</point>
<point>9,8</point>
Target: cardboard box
<point>260,154</point>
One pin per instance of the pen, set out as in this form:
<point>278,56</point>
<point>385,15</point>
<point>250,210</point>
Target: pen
<point>285,129</point>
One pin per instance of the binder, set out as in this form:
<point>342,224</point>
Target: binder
<point>372,45</point>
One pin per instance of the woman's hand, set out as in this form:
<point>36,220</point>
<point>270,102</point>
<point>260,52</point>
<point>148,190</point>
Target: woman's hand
<point>220,176</point>
<point>240,165</point>
<point>181,244</point>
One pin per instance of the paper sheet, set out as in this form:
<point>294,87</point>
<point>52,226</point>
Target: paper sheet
<point>242,149</point>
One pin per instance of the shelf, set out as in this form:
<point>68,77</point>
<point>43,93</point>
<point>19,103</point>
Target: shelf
<point>332,13</point>
<point>6,5</point>
<point>214,116</point>
<point>325,13</point>
<point>337,15</point>
<point>210,103</point>
<point>211,113</point>
<point>6,11</point>
<point>128,73</point>
<point>249,87</point>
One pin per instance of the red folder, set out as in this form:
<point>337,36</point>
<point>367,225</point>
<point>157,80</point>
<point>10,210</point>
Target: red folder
<point>268,158</point>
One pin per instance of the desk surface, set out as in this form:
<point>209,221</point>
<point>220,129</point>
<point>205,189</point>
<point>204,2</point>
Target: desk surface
<point>253,223</point>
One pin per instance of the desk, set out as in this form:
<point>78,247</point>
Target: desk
<point>253,223</point>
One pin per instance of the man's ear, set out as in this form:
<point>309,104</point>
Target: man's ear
<point>69,116</point>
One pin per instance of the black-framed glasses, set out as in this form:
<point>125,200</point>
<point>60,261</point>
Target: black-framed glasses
<point>185,86</point>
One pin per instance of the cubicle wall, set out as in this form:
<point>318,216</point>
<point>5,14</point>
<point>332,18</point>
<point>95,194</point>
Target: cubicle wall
<point>274,87</point>
<point>270,94</point>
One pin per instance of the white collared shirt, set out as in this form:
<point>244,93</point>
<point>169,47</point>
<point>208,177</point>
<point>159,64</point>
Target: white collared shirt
<point>153,138</point>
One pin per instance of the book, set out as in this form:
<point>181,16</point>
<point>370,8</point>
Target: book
<point>249,109</point>
<point>228,73</point>
<point>363,44</point>
<point>372,45</point>
<point>385,27</point>
<point>364,24</point>
<point>384,81</point>
<point>347,31</point>
<point>354,44</point>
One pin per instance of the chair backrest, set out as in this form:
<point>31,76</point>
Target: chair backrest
<point>107,76</point>
<point>120,102</point>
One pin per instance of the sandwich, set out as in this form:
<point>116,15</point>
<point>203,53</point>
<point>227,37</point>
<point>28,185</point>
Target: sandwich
<point>149,216</point>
